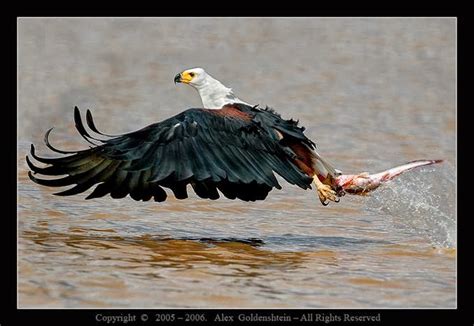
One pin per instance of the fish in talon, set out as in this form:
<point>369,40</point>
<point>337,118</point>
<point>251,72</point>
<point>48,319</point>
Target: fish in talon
<point>363,183</point>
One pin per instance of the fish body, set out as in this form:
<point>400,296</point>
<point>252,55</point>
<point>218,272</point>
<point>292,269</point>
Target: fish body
<point>363,183</point>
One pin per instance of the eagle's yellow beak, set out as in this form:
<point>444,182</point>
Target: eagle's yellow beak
<point>184,77</point>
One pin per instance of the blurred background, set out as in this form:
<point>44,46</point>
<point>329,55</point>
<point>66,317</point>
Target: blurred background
<point>372,93</point>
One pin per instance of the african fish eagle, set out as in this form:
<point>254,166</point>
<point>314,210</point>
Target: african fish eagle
<point>228,146</point>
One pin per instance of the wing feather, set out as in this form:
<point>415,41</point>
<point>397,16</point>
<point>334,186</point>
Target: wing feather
<point>212,151</point>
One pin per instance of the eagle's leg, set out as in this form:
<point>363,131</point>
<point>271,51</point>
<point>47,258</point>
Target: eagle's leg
<point>325,192</point>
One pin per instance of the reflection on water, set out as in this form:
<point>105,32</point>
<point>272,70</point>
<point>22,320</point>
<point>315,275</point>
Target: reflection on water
<point>177,253</point>
<point>218,273</point>
<point>371,93</point>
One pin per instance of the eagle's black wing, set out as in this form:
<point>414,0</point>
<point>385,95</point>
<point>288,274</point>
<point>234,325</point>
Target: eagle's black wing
<point>209,149</point>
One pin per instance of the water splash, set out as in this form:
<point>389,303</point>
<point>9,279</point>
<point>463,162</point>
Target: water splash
<point>422,202</point>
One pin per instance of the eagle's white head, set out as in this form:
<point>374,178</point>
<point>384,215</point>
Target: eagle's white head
<point>195,77</point>
<point>213,93</point>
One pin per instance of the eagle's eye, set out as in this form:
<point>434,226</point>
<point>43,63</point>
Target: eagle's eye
<point>191,74</point>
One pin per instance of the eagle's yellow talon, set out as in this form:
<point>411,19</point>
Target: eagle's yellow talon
<point>325,192</point>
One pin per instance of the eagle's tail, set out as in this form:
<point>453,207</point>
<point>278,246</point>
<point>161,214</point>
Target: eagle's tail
<point>324,178</point>
<point>326,173</point>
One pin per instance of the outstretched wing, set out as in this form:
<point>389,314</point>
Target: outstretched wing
<point>212,150</point>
